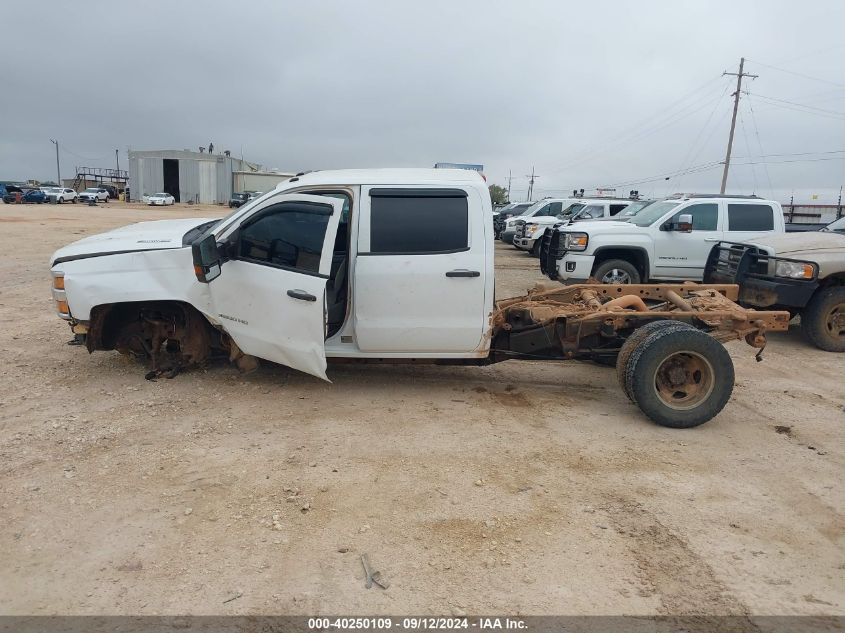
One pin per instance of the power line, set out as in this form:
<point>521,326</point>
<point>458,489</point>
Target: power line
<point>801,109</point>
<point>688,159</point>
<point>760,146</point>
<point>797,74</point>
<point>800,105</point>
<point>588,153</point>
<point>667,175</point>
<point>748,149</point>
<point>835,151</point>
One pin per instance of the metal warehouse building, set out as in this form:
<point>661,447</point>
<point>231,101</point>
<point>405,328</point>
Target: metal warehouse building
<point>193,176</point>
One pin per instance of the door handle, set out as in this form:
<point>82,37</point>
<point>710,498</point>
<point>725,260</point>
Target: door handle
<point>712,239</point>
<point>463,273</point>
<point>302,295</point>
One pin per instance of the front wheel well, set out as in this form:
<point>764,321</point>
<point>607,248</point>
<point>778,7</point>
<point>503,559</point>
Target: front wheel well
<point>150,329</point>
<point>632,255</point>
<point>836,279</point>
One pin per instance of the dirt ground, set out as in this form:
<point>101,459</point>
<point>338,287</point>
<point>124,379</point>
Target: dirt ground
<point>524,488</point>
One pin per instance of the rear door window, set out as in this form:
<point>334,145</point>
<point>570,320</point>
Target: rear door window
<point>751,217</point>
<point>418,221</point>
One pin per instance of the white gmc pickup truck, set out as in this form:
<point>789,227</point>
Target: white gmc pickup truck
<point>668,240</point>
<point>385,265</point>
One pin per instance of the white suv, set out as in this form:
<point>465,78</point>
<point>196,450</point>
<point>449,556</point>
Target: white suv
<point>61,194</point>
<point>669,239</point>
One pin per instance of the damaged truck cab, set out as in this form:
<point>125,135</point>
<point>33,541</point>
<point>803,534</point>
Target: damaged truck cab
<point>388,265</point>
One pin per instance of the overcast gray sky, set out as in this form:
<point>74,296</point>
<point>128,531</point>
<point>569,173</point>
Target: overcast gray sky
<point>589,93</point>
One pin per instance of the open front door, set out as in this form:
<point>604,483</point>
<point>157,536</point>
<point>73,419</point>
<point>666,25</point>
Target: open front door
<point>270,295</point>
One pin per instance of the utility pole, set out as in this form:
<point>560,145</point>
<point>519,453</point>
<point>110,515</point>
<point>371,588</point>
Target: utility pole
<point>735,95</point>
<point>509,184</point>
<point>117,162</point>
<point>839,204</point>
<point>58,171</point>
<point>531,179</point>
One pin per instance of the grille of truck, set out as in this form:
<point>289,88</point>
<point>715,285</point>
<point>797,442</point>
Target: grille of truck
<point>519,228</point>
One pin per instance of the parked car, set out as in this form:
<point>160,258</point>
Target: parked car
<point>507,224</point>
<point>556,211</point>
<point>99,194</point>
<point>670,239</point>
<point>273,280</point>
<point>161,199</point>
<point>25,196</point>
<point>238,198</point>
<point>505,213</point>
<point>800,272</point>
<point>254,194</point>
<point>112,191</point>
<point>61,194</point>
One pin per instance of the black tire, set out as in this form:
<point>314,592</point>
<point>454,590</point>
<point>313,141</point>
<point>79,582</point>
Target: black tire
<point>73,200</point>
<point>823,320</point>
<point>634,341</point>
<point>617,268</point>
<point>680,377</point>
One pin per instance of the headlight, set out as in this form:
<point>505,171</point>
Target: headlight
<point>795,270</point>
<point>529,229</point>
<point>575,241</point>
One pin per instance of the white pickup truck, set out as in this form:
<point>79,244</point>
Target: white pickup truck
<point>385,265</point>
<point>529,233</point>
<point>667,240</point>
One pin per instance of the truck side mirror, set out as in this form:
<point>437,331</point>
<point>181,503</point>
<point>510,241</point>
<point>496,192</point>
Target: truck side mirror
<point>684,223</point>
<point>206,258</point>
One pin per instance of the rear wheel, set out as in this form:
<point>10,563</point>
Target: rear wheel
<point>823,321</point>
<point>634,341</point>
<point>617,271</point>
<point>680,377</point>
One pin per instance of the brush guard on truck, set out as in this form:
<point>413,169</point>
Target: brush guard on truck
<point>664,339</point>
<point>754,271</point>
<point>551,251</point>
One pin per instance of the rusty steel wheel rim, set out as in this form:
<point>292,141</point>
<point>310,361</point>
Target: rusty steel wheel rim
<point>684,380</point>
<point>835,321</point>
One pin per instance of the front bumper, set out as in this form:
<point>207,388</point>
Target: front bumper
<point>525,243</point>
<point>764,291</point>
<point>575,267</point>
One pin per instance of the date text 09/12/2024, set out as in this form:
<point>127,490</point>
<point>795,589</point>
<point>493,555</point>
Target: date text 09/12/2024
<point>417,623</point>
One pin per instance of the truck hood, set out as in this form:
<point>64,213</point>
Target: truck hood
<point>542,219</point>
<point>793,244</point>
<point>605,228</point>
<point>142,236</point>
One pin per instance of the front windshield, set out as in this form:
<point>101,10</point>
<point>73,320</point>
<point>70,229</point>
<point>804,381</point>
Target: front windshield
<point>91,190</point>
<point>572,209</point>
<point>837,226</point>
<point>589,212</point>
<point>633,209</point>
<point>654,212</point>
